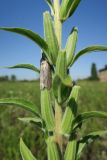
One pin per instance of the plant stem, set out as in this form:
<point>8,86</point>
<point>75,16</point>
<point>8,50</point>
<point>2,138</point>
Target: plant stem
<point>58,109</point>
<point>58,119</point>
<point>57,22</point>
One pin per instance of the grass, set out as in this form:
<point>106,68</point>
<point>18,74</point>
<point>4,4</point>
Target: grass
<point>11,128</point>
<point>93,97</point>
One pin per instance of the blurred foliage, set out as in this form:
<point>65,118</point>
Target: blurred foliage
<point>94,74</point>
<point>92,97</point>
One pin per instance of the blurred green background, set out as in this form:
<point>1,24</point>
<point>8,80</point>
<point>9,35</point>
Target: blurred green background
<point>92,97</point>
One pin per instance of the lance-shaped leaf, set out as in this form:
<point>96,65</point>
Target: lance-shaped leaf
<point>37,121</point>
<point>87,115</point>
<point>62,88</point>
<point>46,110</point>
<point>30,120</point>
<point>53,151</point>
<point>50,37</point>
<point>71,45</point>
<point>25,152</point>
<point>21,103</point>
<point>88,139</point>
<point>61,66</point>
<point>31,35</point>
<point>25,66</point>
<point>71,149</point>
<point>67,8</point>
<point>70,111</point>
<point>88,50</point>
<point>50,4</point>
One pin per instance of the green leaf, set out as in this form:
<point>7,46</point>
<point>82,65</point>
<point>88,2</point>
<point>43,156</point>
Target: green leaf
<point>80,148</point>
<point>21,103</point>
<point>34,120</point>
<point>73,7</point>
<point>31,35</point>
<point>87,115</point>
<point>50,37</point>
<point>56,83</point>
<point>25,66</point>
<point>70,152</point>
<point>67,81</point>
<point>50,4</point>
<point>70,111</point>
<point>25,152</point>
<point>46,109</point>
<point>92,136</point>
<point>61,66</point>
<point>30,120</point>
<point>71,45</point>
<point>98,133</point>
<point>88,139</point>
<point>53,152</point>
<point>62,88</point>
<point>67,8</point>
<point>88,50</point>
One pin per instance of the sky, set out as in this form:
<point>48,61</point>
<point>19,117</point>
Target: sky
<point>90,18</point>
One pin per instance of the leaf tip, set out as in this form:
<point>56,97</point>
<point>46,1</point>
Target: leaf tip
<point>74,29</point>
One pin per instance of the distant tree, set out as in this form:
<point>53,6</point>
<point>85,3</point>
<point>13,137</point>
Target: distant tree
<point>13,77</point>
<point>94,74</point>
<point>4,78</point>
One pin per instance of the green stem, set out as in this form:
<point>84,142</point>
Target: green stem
<point>58,108</point>
<point>58,120</point>
<point>57,22</point>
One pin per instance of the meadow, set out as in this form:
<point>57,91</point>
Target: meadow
<point>92,97</point>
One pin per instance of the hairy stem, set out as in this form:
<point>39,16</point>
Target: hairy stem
<point>58,109</point>
<point>57,22</point>
<point>58,119</point>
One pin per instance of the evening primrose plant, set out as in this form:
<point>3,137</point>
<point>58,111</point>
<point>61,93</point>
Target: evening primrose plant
<point>58,117</point>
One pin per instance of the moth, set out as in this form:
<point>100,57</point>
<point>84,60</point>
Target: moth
<point>45,75</point>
